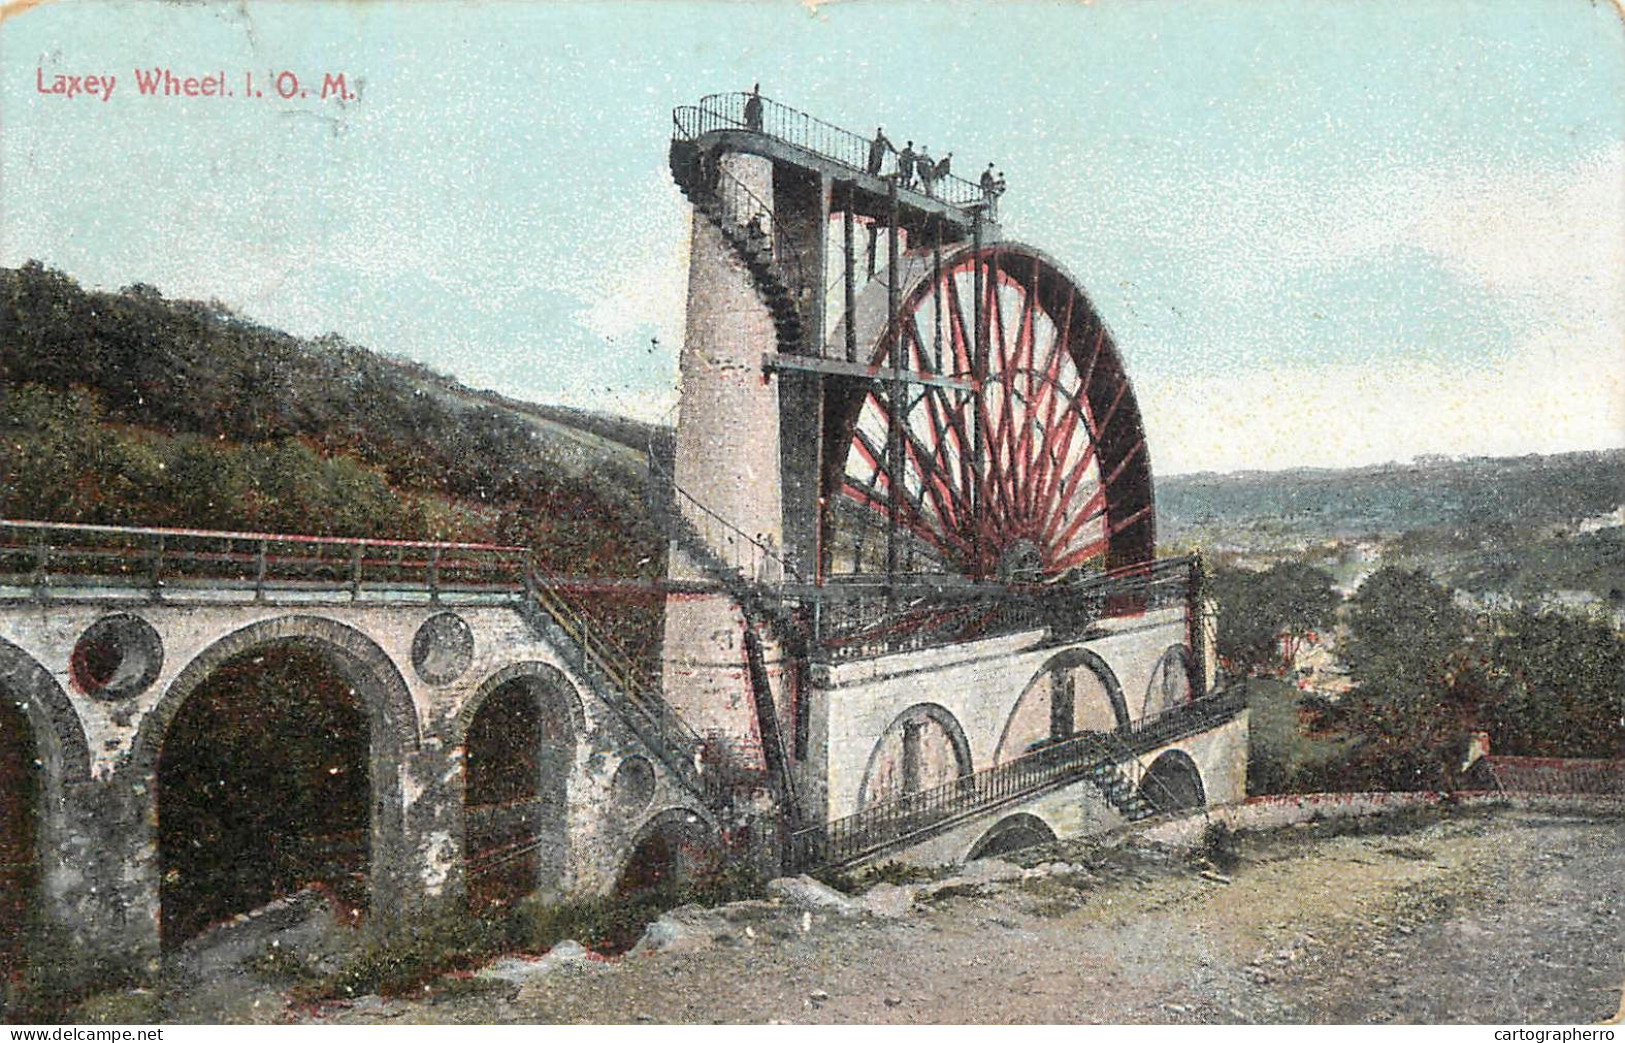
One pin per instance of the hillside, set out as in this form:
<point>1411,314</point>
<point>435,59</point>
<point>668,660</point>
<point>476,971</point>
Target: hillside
<point>127,408</point>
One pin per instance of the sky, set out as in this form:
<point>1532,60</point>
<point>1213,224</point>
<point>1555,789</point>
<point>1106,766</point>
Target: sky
<point>1323,233</point>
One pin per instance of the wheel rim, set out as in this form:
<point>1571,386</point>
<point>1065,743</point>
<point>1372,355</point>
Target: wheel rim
<point>1035,464</point>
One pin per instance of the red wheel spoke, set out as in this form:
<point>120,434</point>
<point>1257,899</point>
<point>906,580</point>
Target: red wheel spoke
<point>1029,456</point>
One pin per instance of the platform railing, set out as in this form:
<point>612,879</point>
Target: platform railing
<point>46,558</point>
<point>858,623</point>
<point>911,817</point>
<point>727,112</point>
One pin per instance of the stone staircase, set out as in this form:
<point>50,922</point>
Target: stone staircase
<point>619,683</point>
<point>719,197</point>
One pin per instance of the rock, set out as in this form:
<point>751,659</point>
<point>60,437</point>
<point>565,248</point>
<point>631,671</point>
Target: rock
<point>894,1001</point>
<point>569,949</point>
<point>887,901</point>
<point>804,892</point>
<point>675,933</point>
<point>990,871</point>
<point>818,995</point>
<point>521,969</point>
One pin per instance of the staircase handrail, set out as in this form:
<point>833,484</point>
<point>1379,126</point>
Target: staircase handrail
<point>784,568</point>
<point>629,694</point>
<point>736,198</point>
<point>890,822</point>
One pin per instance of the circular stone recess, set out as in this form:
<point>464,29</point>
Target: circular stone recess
<point>443,648</point>
<point>117,656</point>
<point>633,787</point>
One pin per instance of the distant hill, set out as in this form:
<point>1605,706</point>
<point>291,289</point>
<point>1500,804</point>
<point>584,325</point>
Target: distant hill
<point>1527,527</point>
<point>1476,494</point>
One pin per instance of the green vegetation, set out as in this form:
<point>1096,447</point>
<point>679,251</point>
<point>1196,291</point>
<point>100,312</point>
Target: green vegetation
<point>1285,752</point>
<point>1266,616</point>
<point>127,408</point>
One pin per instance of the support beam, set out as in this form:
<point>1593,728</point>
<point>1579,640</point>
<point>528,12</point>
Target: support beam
<point>895,464</point>
<point>773,362</point>
<point>849,277</point>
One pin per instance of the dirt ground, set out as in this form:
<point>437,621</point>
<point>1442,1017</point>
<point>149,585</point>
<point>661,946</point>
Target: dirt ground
<point>1476,916</point>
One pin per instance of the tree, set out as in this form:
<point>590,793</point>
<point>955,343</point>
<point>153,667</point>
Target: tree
<point>1403,629</point>
<point>1419,688</point>
<point>1264,617</point>
<point>1557,685</point>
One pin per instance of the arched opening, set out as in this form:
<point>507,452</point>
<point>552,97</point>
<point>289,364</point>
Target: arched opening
<point>673,849</point>
<point>924,747</point>
<point>19,833</point>
<point>517,752</point>
<point>1012,833</point>
<point>1173,783</point>
<point>1074,692</point>
<point>264,789</point>
<point>1170,685</point>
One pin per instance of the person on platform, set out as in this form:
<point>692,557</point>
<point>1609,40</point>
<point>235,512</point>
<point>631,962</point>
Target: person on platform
<point>925,168</point>
<point>944,166</point>
<point>877,151</point>
<point>753,108</point>
<point>905,166</point>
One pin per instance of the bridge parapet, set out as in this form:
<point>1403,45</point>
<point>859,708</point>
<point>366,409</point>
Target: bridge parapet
<point>43,560</point>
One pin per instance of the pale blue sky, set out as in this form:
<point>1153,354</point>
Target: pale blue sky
<point>1323,232</point>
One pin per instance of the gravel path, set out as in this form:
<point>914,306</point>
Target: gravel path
<point>1473,917</point>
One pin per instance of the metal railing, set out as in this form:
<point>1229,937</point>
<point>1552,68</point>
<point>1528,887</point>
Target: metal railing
<point>727,112</point>
<point>750,558</point>
<point>47,557</point>
<point>860,623</point>
<point>600,659</point>
<point>915,816</point>
<point>45,560</point>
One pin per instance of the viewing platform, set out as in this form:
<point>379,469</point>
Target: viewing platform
<point>792,137</point>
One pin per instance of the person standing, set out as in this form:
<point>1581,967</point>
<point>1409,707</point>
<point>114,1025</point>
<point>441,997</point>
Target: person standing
<point>926,169</point>
<point>753,109</point>
<point>877,151</point>
<point>905,166</point>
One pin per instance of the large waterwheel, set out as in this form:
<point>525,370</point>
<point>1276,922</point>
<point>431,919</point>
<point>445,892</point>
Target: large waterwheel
<point>1006,445</point>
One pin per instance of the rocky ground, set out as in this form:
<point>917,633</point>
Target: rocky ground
<point>1472,916</point>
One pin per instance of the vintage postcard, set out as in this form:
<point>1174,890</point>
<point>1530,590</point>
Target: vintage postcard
<point>812,512</point>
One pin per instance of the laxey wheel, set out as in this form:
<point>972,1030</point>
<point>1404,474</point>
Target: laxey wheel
<point>1028,464</point>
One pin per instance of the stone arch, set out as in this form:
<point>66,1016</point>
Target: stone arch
<point>1012,833</point>
<point>673,847</point>
<point>385,701</point>
<point>1173,782</point>
<point>1170,684</point>
<point>545,673</point>
<point>59,736</point>
<point>923,746</point>
<point>1050,706</point>
<point>517,737</point>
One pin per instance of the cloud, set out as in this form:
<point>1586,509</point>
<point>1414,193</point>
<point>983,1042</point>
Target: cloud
<point>1559,393</point>
<point>1543,245</point>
